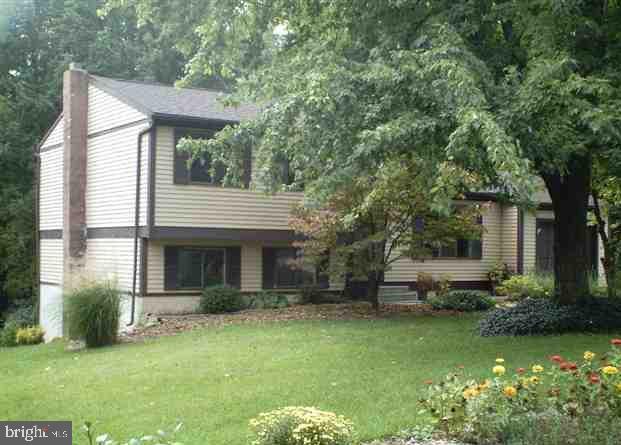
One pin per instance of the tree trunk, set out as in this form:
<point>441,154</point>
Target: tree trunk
<point>610,255</point>
<point>570,200</point>
<point>373,289</point>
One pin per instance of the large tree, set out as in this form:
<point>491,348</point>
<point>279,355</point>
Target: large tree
<point>505,90</point>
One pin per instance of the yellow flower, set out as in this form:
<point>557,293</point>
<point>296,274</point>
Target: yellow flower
<point>499,370</point>
<point>618,387</point>
<point>534,380</point>
<point>500,360</point>
<point>537,368</point>
<point>588,356</point>
<point>470,393</point>
<point>510,391</point>
<point>484,385</point>
<point>610,370</point>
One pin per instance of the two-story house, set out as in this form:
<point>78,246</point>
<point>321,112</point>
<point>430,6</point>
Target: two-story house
<point>118,202</point>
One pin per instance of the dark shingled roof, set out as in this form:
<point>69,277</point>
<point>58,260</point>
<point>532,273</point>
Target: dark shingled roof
<point>164,100</point>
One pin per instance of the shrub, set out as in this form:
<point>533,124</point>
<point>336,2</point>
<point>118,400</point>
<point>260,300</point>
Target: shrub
<point>443,285</point>
<point>220,300</point>
<point>268,300</point>
<point>424,284</point>
<point>161,437</point>
<point>519,287</point>
<point>534,405</point>
<point>311,294</point>
<point>22,312</point>
<point>464,301</point>
<point>497,274</point>
<point>8,334</point>
<point>32,335</point>
<point>93,313</point>
<point>301,426</point>
<point>542,316</point>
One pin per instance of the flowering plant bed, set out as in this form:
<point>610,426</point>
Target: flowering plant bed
<point>580,398</point>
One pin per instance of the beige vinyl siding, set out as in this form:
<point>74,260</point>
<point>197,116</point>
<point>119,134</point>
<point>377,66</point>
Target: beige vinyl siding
<point>211,206</point>
<point>112,260</point>
<point>51,261</point>
<point>530,242</point>
<point>509,227</point>
<point>106,111</point>
<point>56,136</point>
<point>459,269</point>
<point>252,267</point>
<point>111,184</point>
<point>51,190</point>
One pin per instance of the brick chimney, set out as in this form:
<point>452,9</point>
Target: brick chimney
<point>75,115</point>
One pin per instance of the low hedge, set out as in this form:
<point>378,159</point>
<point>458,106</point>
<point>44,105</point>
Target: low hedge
<point>463,301</point>
<point>535,316</point>
<point>221,299</point>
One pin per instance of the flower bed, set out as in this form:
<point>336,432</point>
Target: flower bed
<point>539,404</point>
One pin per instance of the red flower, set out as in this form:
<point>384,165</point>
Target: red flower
<point>572,366</point>
<point>594,379</point>
<point>521,370</point>
<point>428,382</point>
<point>616,341</point>
<point>556,358</point>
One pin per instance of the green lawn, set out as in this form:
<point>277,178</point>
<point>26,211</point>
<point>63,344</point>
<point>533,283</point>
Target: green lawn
<point>215,380</point>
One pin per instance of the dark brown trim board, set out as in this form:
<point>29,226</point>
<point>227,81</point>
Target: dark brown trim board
<point>481,196</point>
<point>173,294</point>
<point>219,234</point>
<point>115,232</point>
<point>118,128</point>
<point>520,242</point>
<point>47,134</point>
<point>50,148</point>
<point>466,285</point>
<point>49,283</point>
<point>51,234</point>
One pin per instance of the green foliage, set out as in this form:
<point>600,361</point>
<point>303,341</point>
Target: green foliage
<point>301,426</point>
<point>8,334</point>
<point>22,312</point>
<point>221,299</point>
<point>530,285</point>
<point>311,294</point>
<point>498,273</point>
<point>544,317</point>
<point>463,301</point>
<point>93,313</point>
<point>32,335</point>
<point>268,300</point>
<point>161,437</point>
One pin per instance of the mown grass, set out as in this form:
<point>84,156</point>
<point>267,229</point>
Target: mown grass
<point>215,380</point>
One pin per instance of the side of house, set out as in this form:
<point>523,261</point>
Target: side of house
<point>118,202</point>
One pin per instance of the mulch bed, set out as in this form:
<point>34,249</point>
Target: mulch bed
<point>162,325</point>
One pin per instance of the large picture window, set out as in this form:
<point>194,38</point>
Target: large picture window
<point>280,271</point>
<point>462,248</point>
<point>200,170</point>
<point>194,268</point>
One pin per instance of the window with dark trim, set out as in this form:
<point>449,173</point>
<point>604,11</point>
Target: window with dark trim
<point>200,170</point>
<point>461,248</point>
<point>280,271</point>
<point>194,268</point>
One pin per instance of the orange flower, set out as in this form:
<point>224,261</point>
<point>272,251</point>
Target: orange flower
<point>521,370</point>
<point>594,379</point>
<point>428,382</point>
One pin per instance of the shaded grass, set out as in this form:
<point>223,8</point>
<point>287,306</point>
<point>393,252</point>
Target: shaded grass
<point>215,380</point>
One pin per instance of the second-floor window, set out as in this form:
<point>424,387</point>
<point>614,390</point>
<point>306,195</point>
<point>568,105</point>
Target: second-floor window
<point>202,170</point>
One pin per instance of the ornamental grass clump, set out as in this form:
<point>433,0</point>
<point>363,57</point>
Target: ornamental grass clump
<point>93,312</point>
<point>577,394</point>
<point>301,426</point>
